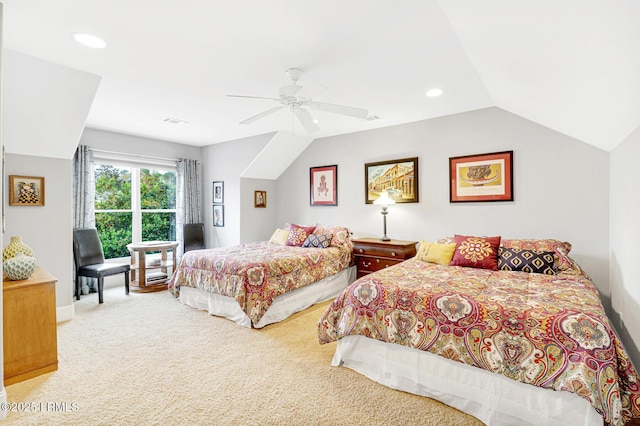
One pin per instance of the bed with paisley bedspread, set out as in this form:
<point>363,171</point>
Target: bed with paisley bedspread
<point>259,283</point>
<point>508,347</point>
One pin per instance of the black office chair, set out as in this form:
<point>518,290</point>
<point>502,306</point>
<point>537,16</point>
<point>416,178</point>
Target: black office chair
<point>193,234</point>
<point>89,256</point>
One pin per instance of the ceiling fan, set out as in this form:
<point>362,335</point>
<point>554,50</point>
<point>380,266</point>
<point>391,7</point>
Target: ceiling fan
<point>298,98</point>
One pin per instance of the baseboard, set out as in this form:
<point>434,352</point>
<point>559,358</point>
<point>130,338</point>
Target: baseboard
<point>65,313</point>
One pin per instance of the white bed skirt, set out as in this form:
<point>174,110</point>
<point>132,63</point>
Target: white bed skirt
<point>283,306</point>
<point>490,397</point>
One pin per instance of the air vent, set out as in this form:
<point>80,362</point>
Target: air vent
<point>373,118</point>
<point>175,121</point>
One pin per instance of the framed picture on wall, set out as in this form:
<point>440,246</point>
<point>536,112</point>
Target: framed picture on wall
<point>260,199</point>
<point>398,177</point>
<point>481,177</point>
<point>26,191</point>
<point>218,215</point>
<point>323,185</point>
<point>218,192</point>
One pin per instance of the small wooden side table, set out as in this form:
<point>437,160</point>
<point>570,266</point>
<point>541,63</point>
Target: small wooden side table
<point>30,329</point>
<point>371,254</point>
<point>143,277</point>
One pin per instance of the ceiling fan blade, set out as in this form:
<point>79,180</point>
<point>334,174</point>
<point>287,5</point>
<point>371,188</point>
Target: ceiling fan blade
<point>310,91</point>
<point>339,109</point>
<point>261,115</point>
<point>252,97</point>
<point>305,118</point>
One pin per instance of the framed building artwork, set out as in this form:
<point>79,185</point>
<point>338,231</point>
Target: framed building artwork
<point>481,177</point>
<point>260,199</point>
<point>218,192</point>
<point>398,177</point>
<point>26,191</point>
<point>218,215</point>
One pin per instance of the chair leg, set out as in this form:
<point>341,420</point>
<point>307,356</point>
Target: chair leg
<point>78,291</point>
<point>100,287</point>
<point>126,282</point>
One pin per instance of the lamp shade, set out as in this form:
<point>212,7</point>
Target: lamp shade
<point>384,199</point>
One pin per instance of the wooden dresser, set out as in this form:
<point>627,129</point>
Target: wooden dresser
<point>30,333</point>
<point>371,254</point>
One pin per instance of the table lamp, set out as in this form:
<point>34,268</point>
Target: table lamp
<point>385,201</point>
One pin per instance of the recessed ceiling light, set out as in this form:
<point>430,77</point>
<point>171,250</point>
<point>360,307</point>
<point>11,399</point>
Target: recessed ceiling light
<point>432,93</point>
<point>89,40</point>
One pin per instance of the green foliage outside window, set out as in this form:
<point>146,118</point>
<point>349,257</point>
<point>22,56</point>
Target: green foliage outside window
<point>113,192</point>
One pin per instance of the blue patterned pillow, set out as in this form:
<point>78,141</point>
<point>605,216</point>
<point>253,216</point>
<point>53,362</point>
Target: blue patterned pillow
<point>319,241</point>
<point>515,259</point>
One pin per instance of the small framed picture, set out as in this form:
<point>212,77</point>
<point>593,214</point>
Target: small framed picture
<point>218,192</point>
<point>26,191</point>
<point>481,177</point>
<point>218,216</point>
<point>323,185</point>
<point>260,199</point>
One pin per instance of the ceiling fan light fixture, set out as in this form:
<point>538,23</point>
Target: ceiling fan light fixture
<point>434,93</point>
<point>89,40</point>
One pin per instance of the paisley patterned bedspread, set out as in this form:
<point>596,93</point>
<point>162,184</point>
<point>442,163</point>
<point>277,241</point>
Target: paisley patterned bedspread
<point>256,273</point>
<point>546,330</point>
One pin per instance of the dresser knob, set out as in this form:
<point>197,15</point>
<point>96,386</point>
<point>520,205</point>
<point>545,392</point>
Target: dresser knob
<point>366,264</point>
<point>360,251</point>
<point>393,253</point>
<point>377,260</point>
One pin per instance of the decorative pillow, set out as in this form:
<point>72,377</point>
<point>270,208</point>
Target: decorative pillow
<point>515,259</point>
<point>279,237</point>
<point>339,236</point>
<point>297,234</point>
<point>560,249</point>
<point>476,252</point>
<point>315,240</point>
<point>442,254</point>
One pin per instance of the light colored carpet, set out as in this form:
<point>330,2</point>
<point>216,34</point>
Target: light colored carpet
<point>146,359</point>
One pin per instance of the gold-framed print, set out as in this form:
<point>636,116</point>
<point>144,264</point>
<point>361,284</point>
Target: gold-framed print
<point>481,177</point>
<point>260,199</point>
<point>398,177</point>
<point>26,190</point>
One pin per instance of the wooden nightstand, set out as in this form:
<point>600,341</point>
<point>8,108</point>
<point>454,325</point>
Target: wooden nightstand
<point>371,254</point>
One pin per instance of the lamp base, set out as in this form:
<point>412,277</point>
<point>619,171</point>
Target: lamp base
<point>385,238</point>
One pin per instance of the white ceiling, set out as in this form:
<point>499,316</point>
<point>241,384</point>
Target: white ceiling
<point>571,65</point>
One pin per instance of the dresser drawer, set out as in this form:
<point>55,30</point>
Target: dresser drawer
<point>367,264</point>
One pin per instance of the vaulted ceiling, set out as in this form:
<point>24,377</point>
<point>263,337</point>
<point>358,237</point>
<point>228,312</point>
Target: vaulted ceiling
<point>571,65</point>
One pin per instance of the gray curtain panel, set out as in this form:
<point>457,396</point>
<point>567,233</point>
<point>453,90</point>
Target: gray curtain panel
<point>188,208</point>
<point>83,200</point>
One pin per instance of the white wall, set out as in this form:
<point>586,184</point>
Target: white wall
<point>561,185</point>
<point>225,162</point>
<point>253,219</point>
<point>625,250</point>
<point>47,229</point>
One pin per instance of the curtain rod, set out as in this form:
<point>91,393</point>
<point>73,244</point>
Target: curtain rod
<point>149,157</point>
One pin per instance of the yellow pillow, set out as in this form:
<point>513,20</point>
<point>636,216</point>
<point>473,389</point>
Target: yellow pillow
<point>279,237</point>
<point>436,253</point>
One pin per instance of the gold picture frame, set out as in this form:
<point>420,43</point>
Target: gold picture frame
<point>260,199</point>
<point>26,190</point>
<point>481,177</point>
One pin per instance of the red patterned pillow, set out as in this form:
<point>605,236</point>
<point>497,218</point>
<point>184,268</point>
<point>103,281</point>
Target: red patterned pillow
<point>476,252</point>
<point>297,234</point>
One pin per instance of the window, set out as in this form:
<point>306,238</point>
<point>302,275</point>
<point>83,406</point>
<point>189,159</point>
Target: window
<point>133,204</point>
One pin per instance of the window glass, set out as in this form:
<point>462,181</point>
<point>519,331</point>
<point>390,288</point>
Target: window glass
<point>133,204</point>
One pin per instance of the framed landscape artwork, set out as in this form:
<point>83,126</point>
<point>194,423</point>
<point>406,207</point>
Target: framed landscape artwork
<point>26,191</point>
<point>481,177</point>
<point>398,177</point>
<point>323,185</point>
